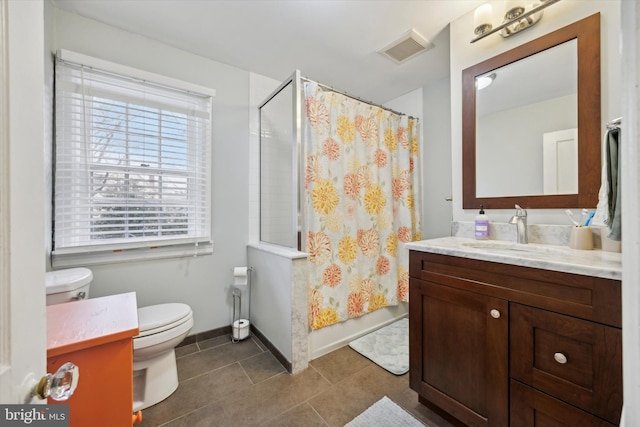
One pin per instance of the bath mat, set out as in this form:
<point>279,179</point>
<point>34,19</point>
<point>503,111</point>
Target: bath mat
<point>387,347</point>
<point>384,413</point>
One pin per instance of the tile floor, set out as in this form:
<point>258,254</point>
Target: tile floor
<point>242,384</point>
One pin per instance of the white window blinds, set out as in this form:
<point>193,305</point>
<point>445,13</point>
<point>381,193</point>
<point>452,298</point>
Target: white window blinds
<point>132,162</point>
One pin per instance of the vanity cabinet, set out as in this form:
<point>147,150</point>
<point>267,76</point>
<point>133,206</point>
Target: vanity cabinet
<point>496,344</point>
<point>96,335</point>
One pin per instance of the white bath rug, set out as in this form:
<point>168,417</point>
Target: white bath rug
<point>387,347</point>
<point>384,413</point>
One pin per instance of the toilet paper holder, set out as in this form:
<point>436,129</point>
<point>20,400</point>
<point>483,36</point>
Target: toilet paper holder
<point>240,327</point>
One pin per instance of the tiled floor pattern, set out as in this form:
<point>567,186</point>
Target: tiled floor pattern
<point>242,384</point>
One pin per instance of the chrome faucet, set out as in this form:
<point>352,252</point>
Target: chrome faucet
<point>520,220</point>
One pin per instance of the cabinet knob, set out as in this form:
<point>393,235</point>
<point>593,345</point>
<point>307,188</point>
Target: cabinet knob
<point>59,386</point>
<point>495,313</point>
<point>560,358</point>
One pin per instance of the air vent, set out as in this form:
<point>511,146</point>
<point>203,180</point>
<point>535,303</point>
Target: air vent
<point>407,46</point>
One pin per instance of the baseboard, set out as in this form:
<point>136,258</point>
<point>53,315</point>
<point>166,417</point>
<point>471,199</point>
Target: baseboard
<point>226,330</point>
<point>316,353</point>
<point>206,335</point>
<point>279,356</point>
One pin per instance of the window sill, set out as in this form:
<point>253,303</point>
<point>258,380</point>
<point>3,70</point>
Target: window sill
<point>129,255</point>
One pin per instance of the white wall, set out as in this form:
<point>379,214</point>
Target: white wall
<point>436,160</point>
<point>279,308</point>
<point>631,212</point>
<point>464,54</point>
<point>202,282</point>
<point>271,305</point>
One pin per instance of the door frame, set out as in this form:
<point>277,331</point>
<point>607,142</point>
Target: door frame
<point>22,205</point>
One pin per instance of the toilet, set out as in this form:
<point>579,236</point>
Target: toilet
<point>162,328</point>
<point>155,374</point>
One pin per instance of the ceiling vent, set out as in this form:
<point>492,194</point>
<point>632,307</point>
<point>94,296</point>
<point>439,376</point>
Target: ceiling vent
<point>407,46</point>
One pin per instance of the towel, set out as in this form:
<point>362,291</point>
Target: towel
<point>609,201</point>
<point>601,216</point>
<point>614,196</point>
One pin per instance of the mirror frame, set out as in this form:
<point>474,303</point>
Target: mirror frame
<point>587,33</point>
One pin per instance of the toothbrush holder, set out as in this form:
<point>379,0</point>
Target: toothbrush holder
<point>581,238</point>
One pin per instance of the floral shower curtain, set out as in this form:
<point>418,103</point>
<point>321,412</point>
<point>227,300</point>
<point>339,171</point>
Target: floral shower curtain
<point>362,203</point>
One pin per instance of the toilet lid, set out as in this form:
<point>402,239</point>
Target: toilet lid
<point>157,318</point>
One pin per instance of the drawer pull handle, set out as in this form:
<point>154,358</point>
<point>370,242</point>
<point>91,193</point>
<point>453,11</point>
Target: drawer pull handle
<point>495,313</point>
<point>560,358</point>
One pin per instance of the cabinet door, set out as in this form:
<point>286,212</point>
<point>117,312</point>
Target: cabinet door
<point>574,360</point>
<point>458,352</point>
<point>104,396</point>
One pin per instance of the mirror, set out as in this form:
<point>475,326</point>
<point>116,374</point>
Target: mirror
<point>515,117</point>
<point>516,146</point>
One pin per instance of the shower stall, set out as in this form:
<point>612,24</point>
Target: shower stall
<point>280,304</point>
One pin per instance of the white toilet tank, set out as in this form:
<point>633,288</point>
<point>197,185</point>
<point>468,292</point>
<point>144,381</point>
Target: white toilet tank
<point>71,284</point>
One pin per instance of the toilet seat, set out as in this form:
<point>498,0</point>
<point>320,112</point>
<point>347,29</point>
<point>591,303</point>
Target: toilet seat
<point>162,322</point>
<point>160,317</point>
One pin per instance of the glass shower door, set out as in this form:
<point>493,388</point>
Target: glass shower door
<point>279,171</point>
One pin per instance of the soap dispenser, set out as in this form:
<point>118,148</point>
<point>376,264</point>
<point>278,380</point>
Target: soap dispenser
<point>482,224</point>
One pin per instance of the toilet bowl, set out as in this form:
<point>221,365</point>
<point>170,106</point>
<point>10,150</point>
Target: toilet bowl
<point>155,373</point>
<point>162,327</point>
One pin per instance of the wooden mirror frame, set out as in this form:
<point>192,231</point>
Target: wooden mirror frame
<point>587,33</point>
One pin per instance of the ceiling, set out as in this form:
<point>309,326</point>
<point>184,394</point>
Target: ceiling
<point>332,41</point>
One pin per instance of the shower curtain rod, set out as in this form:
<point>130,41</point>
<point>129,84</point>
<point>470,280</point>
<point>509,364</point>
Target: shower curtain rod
<point>355,97</point>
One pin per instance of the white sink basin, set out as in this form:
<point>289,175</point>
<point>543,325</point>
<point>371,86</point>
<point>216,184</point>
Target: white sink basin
<point>502,246</point>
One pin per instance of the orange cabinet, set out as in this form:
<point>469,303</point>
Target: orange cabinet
<point>97,336</point>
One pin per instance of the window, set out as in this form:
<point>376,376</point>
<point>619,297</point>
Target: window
<point>132,163</point>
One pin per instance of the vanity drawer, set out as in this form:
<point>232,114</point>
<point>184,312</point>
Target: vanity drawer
<point>530,408</point>
<point>574,360</point>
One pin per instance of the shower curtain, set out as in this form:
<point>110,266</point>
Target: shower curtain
<point>362,187</point>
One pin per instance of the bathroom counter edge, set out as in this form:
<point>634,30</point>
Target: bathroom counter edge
<point>594,263</point>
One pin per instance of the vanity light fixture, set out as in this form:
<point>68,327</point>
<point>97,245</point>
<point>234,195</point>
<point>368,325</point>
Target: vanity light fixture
<point>518,17</point>
<point>482,19</point>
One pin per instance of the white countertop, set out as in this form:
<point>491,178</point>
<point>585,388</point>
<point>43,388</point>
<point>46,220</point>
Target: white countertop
<point>596,263</point>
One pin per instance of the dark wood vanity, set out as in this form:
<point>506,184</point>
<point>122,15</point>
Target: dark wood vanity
<point>496,344</point>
